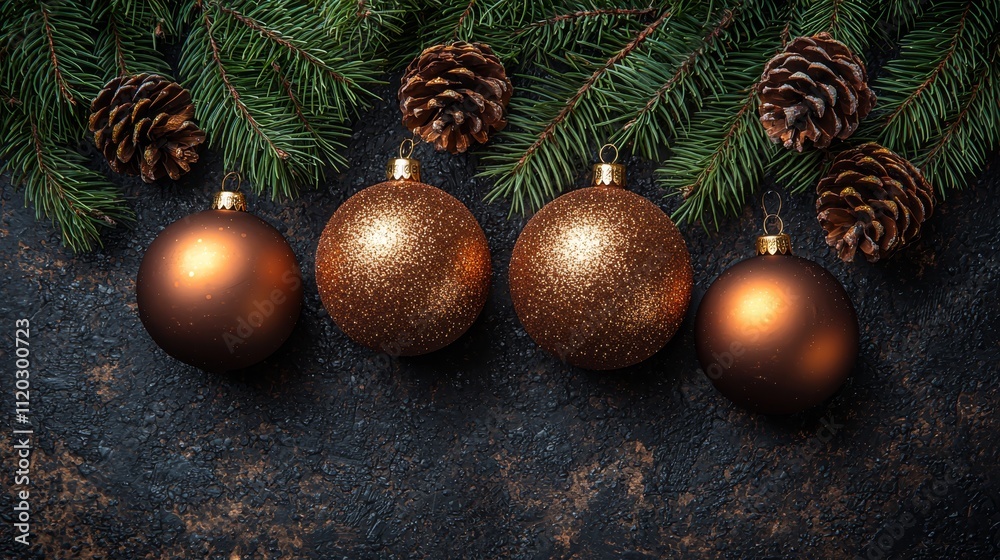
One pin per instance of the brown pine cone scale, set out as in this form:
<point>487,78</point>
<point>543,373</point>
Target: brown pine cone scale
<point>814,91</point>
<point>452,95</point>
<point>872,200</point>
<point>143,125</point>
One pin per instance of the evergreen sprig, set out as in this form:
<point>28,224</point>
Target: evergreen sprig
<point>541,157</point>
<point>961,149</point>
<point>273,85</point>
<point>276,82</point>
<point>938,61</point>
<point>49,74</point>
<point>267,80</point>
<point>77,199</point>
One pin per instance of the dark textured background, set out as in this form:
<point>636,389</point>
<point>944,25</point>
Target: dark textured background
<point>490,448</point>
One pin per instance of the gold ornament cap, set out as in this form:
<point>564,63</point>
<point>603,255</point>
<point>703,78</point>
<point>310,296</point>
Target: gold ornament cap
<point>773,243</point>
<point>780,244</point>
<point>403,168</point>
<point>609,174</point>
<point>230,200</point>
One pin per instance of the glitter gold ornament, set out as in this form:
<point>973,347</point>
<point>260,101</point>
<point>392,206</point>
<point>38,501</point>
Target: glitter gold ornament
<point>221,289</point>
<point>601,277</point>
<point>403,267</point>
<point>776,333</point>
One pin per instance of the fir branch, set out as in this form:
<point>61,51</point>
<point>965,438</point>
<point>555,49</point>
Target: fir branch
<point>234,94</point>
<point>549,38</point>
<point>588,14</point>
<point>57,75</point>
<point>848,21</point>
<point>284,43</point>
<point>918,89</point>
<point>719,161</point>
<point>681,80</point>
<point>80,201</point>
<point>279,138</point>
<point>538,162</point>
<point>291,32</point>
<point>368,27</point>
<point>126,44</point>
<point>51,67</point>
<point>937,71</point>
<point>549,131</point>
<point>722,157</point>
<point>963,147</point>
<point>324,133</point>
<point>462,19</point>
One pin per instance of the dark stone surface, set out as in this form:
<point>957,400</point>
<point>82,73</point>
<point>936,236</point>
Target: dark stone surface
<point>491,448</point>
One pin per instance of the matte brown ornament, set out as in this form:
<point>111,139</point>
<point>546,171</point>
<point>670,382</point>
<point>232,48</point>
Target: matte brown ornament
<point>776,333</point>
<point>601,277</point>
<point>221,289</point>
<point>403,267</point>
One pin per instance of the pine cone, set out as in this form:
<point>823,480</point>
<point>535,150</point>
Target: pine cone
<point>873,199</point>
<point>142,124</point>
<point>814,91</point>
<point>452,94</point>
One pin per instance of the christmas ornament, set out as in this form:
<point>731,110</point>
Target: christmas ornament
<point>143,126</point>
<point>776,333</point>
<point>600,277</point>
<point>814,91</point>
<point>874,200</point>
<point>454,94</point>
<point>221,289</point>
<point>403,267</point>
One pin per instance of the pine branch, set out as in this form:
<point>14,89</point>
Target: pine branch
<point>659,89</point>
<point>540,159</point>
<point>263,123</point>
<point>963,147</point>
<point>922,86</point>
<point>57,182</point>
<point>51,68</point>
<point>367,26</point>
<point>126,44</point>
<point>848,21</point>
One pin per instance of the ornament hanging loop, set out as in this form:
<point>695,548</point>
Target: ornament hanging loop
<point>230,200</point>
<point>608,174</point>
<point>605,147</point>
<point>409,149</point>
<point>235,176</point>
<point>404,167</point>
<point>773,218</point>
<point>773,243</point>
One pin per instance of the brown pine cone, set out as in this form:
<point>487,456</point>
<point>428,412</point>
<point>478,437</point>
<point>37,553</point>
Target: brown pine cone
<point>814,91</point>
<point>452,94</point>
<point>142,124</point>
<point>872,199</point>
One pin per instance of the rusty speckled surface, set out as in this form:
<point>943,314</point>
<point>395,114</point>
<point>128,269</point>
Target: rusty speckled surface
<point>491,448</point>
